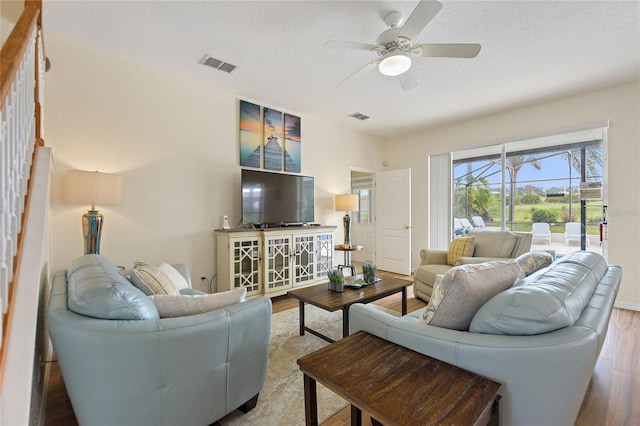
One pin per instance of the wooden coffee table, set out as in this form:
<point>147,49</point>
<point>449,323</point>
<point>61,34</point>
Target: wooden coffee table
<point>320,296</point>
<point>397,386</point>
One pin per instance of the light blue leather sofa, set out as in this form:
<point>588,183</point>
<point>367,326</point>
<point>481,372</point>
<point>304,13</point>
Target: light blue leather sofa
<point>139,369</point>
<point>541,338</point>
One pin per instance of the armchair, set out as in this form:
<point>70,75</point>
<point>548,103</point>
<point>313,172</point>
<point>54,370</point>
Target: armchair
<point>490,244</point>
<point>123,364</point>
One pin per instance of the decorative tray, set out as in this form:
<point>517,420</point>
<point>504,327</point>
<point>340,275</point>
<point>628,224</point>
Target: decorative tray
<point>357,281</point>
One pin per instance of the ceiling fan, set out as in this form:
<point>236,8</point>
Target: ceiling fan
<point>395,48</point>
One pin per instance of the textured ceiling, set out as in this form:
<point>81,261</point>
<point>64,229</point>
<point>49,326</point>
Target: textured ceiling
<point>531,51</point>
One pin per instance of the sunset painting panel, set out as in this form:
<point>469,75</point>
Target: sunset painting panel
<point>250,135</point>
<point>273,139</point>
<point>292,141</point>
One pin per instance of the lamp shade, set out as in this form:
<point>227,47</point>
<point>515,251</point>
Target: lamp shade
<point>347,203</point>
<point>395,64</point>
<point>83,187</point>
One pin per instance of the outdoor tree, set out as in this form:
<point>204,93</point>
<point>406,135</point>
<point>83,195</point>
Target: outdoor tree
<point>473,200</point>
<point>515,163</point>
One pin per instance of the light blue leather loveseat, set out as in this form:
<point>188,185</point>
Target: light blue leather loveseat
<point>541,338</point>
<point>189,370</point>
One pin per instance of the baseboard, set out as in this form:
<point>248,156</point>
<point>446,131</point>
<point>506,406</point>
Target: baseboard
<point>628,306</point>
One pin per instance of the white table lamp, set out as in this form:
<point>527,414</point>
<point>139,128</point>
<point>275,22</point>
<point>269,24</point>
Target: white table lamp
<point>347,203</point>
<point>83,187</point>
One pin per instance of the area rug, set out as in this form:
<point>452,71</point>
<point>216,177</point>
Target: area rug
<point>281,401</point>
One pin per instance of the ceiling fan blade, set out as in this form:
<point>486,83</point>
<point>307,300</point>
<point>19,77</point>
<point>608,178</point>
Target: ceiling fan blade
<point>407,80</point>
<point>368,67</point>
<point>419,18</point>
<point>447,50</point>
<point>350,45</point>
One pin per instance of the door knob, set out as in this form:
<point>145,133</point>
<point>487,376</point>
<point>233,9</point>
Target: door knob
<point>407,227</point>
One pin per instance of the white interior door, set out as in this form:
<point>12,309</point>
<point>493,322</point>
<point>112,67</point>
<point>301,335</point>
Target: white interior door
<point>393,221</point>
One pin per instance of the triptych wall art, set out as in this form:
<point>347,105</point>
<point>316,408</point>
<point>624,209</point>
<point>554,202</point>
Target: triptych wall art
<point>269,139</point>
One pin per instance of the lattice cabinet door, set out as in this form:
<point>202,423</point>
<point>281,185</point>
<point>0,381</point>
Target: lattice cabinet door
<point>277,262</point>
<point>324,254</point>
<point>246,265</point>
<point>304,255</point>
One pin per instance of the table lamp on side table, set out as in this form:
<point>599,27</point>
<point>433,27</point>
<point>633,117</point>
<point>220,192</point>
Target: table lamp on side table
<point>347,203</point>
<point>83,187</point>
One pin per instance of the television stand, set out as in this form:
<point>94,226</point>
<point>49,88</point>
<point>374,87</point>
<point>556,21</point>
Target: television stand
<point>272,261</point>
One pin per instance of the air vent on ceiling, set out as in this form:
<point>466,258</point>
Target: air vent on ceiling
<point>359,116</point>
<point>218,64</point>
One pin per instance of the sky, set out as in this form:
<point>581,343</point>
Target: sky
<point>551,168</point>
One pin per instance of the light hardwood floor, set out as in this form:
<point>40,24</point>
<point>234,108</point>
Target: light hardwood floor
<point>612,398</point>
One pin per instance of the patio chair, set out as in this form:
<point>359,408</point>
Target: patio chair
<point>478,222</point>
<point>572,232</point>
<point>465,223</point>
<point>541,232</point>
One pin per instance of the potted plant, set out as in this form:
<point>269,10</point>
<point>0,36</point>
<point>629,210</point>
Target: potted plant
<point>336,280</point>
<point>369,272</point>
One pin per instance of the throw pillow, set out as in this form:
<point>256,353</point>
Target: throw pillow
<point>460,247</point>
<point>464,289</point>
<point>534,261</point>
<point>170,306</point>
<point>152,280</point>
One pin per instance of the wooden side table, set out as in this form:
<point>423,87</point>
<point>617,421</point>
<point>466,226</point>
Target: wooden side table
<point>347,257</point>
<point>397,386</point>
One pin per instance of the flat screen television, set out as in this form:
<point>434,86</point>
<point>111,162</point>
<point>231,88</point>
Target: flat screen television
<point>276,198</point>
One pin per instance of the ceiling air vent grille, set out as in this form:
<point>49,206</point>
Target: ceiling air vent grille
<point>359,116</point>
<point>218,64</point>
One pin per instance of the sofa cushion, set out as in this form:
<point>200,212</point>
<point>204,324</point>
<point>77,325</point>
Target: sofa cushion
<point>534,261</point>
<point>460,247</point>
<point>151,280</point>
<point>494,244</point>
<point>170,306</point>
<point>464,289</point>
<point>545,301</point>
<point>97,289</point>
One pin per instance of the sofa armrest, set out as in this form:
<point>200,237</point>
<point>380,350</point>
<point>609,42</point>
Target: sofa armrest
<point>368,318</point>
<point>433,256</point>
<point>184,271</point>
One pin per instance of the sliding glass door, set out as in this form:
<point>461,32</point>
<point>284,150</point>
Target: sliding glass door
<point>516,185</point>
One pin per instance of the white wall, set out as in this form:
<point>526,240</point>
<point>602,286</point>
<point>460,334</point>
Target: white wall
<point>175,142</point>
<point>619,104</point>
<point>10,12</point>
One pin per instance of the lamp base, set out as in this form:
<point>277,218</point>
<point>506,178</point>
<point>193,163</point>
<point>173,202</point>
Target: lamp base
<point>92,230</point>
<point>346,222</point>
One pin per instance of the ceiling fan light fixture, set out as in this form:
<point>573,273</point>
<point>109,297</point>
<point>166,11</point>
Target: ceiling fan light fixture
<point>395,64</point>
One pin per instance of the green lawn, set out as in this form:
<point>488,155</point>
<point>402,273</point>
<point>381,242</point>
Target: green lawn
<point>522,216</point>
